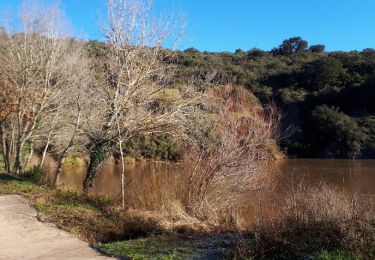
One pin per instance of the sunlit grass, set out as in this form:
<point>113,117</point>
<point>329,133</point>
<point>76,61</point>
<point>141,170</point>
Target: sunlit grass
<point>1,163</point>
<point>152,248</point>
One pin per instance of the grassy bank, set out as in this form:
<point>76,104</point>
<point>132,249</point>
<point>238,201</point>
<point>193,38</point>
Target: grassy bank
<point>92,218</point>
<point>99,221</point>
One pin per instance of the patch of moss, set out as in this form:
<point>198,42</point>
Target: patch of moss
<point>151,248</point>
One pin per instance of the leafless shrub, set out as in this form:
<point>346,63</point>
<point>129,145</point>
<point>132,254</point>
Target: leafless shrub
<point>233,156</point>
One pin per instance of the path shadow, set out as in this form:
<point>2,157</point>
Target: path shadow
<point>7,177</point>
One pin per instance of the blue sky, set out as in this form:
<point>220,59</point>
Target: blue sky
<point>225,25</point>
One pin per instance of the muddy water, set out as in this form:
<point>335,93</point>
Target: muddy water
<point>356,177</point>
<point>151,183</point>
<point>348,175</point>
<point>109,178</point>
<point>353,176</point>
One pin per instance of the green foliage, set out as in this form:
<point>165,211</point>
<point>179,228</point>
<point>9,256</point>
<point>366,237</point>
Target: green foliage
<point>299,79</point>
<point>292,74</point>
<point>336,131</point>
<point>191,50</point>
<point>263,93</point>
<point>336,255</point>
<point>319,48</point>
<point>99,153</point>
<point>26,149</point>
<point>36,175</point>
<point>322,72</point>
<point>292,45</point>
<point>289,95</point>
<point>74,160</point>
<point>159,147</point>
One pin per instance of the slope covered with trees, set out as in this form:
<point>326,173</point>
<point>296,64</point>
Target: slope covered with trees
<point>327,98</point>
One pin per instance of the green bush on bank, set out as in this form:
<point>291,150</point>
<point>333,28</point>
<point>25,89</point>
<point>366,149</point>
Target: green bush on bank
<point>153,147</point>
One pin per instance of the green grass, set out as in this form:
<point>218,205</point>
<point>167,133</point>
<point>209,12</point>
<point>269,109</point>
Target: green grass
<point>1,163</point>
<point>151,248</point>
<point>336,255</point>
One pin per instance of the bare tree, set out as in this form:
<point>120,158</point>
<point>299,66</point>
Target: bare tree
<point>131,81</point>
<point>40,64</point>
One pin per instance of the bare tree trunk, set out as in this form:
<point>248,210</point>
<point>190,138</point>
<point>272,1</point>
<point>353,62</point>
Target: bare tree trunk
<point>11,149</point>
<point>98,155</point>
<point>29,157</point>
<point>5,148</point>
<point>122,165</point>
<point>49,136</point>
<point>59,170</point>
<point>65,152</point>
<point>44,154</point>
<point>122,176</point>
<point>18,161</point>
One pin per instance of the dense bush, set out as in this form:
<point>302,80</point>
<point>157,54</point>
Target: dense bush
<point>153,147</point>
<point>335,132</point>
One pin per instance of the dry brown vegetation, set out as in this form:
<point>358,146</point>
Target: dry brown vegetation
<point>235,155</point>
<point>313,220</point>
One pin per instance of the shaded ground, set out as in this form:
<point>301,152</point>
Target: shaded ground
<point>23,236</point>
<point>179,247</point>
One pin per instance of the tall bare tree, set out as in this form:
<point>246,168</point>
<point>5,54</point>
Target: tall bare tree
<point>131,80</point>
<point>39,64</point>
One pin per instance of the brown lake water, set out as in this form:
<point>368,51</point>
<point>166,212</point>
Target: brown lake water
<point>355,176</point>
<point>149,183</point>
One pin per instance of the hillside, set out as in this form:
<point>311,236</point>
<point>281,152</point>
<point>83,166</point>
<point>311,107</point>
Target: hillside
<point>327,98</point>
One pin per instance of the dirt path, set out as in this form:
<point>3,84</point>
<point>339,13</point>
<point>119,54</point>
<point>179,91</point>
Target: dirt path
<point>23,236</point>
